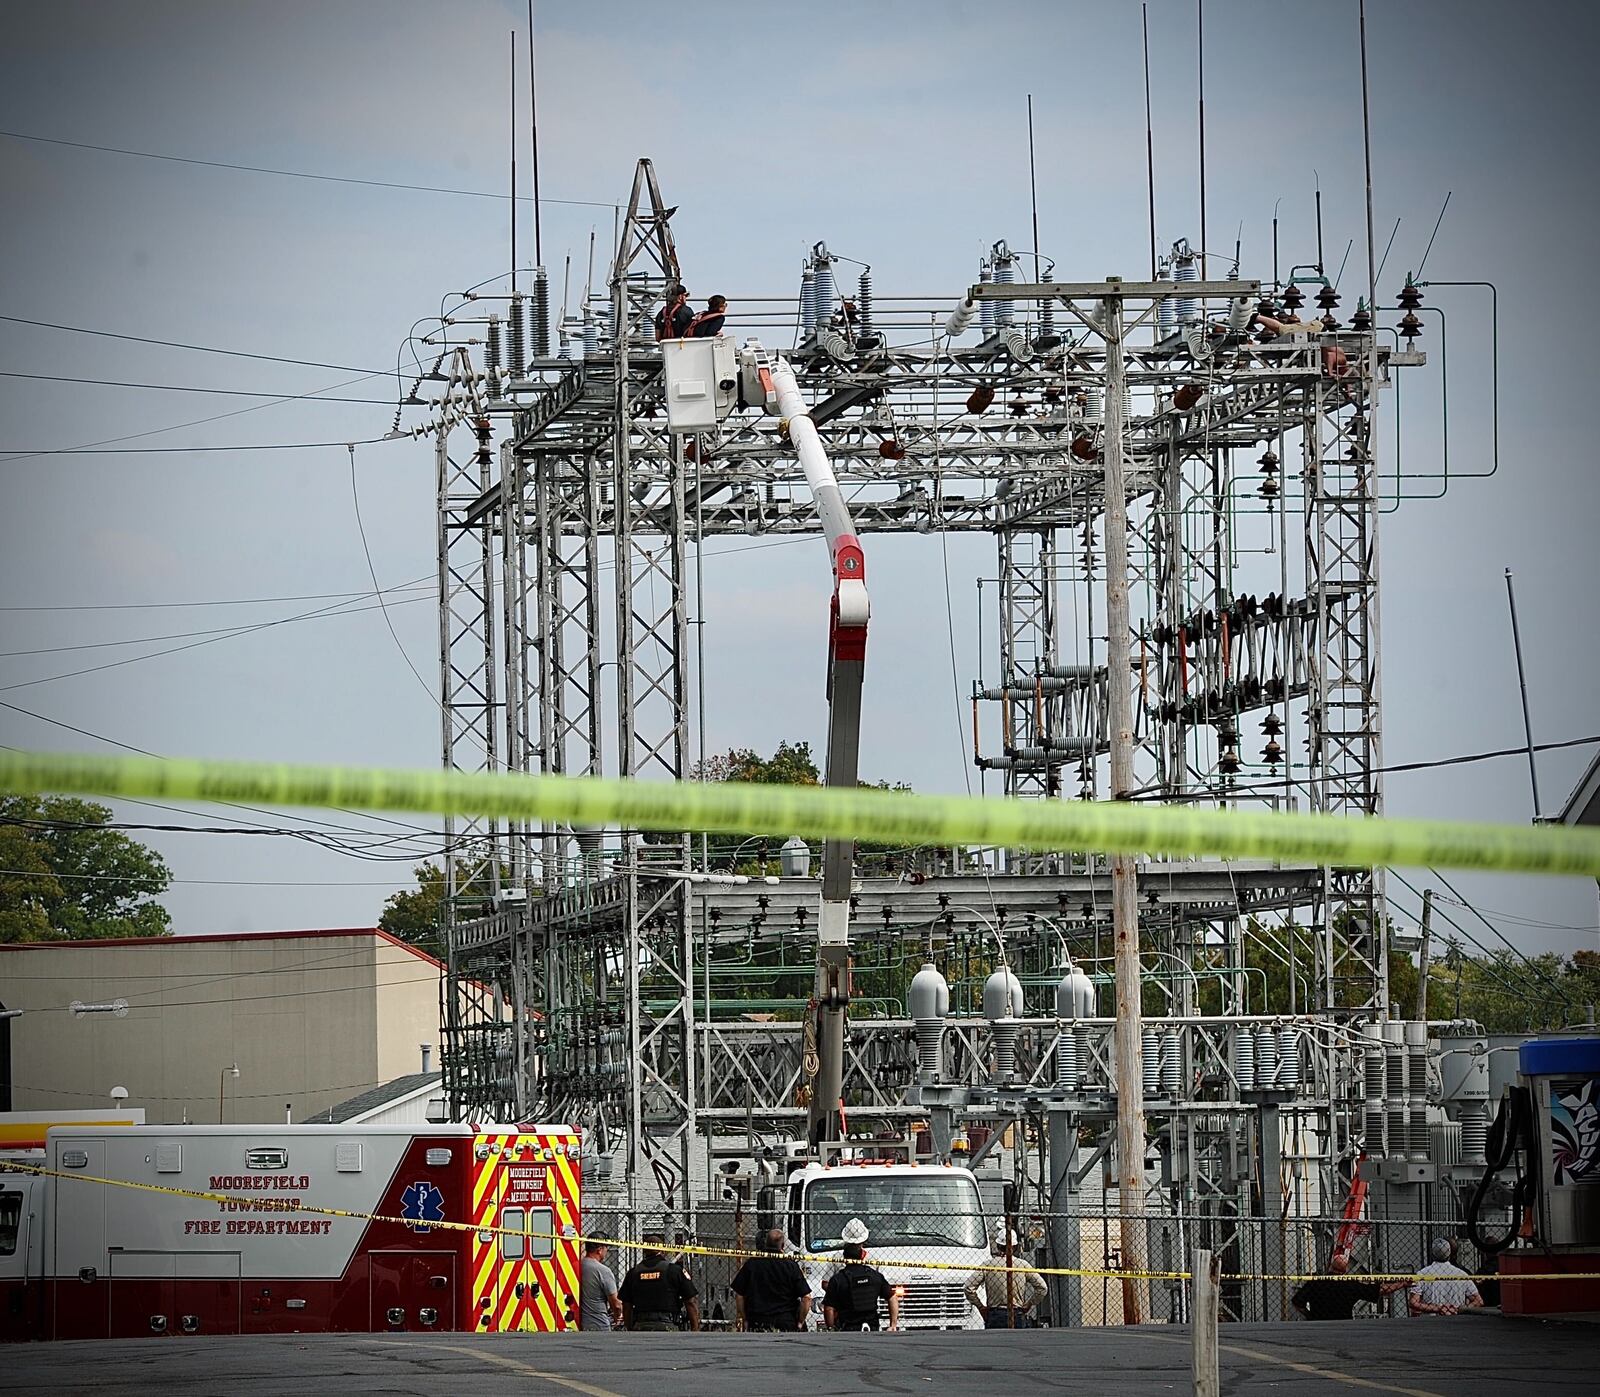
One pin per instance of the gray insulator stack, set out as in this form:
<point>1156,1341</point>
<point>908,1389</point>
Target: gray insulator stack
<point>1244,1058</point>
<point>1167,309</point>
<point>1171,1064</point>
<point>591,333</point>
<point>1288,1058</point>
<point>491,356</point>
<point>1005,274</point>
<point>808,302</point>
<point>1085,1057</point>
<point>1066,1058</point>
<point>1420,1137</point>
<point>1150,1041</point>
<point>1394,1100</point>
<point>1372,1063</point>
<point>986,308</point>
<point>929,1003</point>
<point>1002,1006</point>
<point>824,290</point>
<point>1474,1119</point>
<point>519,343</point>
<point>539,311</point>
<point>1266,1057</point>
<point>1185,267</point>
<point>1093,408</point>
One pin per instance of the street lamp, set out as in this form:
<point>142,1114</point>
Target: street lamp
<point>222,1081</point>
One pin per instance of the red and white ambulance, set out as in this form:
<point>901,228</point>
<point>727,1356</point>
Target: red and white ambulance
<point>110,1241</point>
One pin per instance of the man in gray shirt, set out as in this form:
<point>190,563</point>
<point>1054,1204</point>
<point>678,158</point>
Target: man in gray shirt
<point>598,1306</point>
<point>1443,1288</point>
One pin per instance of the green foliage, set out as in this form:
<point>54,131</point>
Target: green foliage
<point>416,915</point>
<point>1508,994</point>
<point>67,878</point>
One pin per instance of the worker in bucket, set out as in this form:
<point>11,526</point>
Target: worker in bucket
<point>709,322</point>
<point>850,1299</point>
<point>1005,1294</point>
<point>675,317</point>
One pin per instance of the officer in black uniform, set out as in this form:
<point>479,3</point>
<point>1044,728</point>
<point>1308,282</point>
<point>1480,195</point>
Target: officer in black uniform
<point>850,1298</point>
<point>657,1292</point>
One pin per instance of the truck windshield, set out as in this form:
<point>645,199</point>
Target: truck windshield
<point>898,1210</point>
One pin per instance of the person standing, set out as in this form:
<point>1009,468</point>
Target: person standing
<point>771,1291</point>
<point>850,1298</point>
<point>598,1305</point>
<point>1442,1287</point>
<point>1328,1297</point>
<point>657,1293</point>
<point>1003,1294</point>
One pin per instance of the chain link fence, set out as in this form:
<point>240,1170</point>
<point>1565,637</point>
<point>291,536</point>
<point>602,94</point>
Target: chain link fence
<point>1068,1268</point>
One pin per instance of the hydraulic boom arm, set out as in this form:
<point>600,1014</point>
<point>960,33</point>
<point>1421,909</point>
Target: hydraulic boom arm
<point>847,653</point>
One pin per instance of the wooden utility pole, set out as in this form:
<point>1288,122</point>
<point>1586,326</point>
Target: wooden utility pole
<point>1422,958</point>
<point>1124,870</point>
<point>1205,1287</point>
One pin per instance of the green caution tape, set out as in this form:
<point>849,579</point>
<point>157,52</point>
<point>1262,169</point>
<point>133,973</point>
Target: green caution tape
<point>884,817</point>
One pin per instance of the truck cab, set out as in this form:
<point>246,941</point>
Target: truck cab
<point>925,1231</point>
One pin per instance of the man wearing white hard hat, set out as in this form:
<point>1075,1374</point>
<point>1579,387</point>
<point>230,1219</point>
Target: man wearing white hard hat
<point>1005,1293</point>
<point>850,1299</point>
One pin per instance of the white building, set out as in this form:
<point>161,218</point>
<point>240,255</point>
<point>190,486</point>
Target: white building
<point>309,1018</point>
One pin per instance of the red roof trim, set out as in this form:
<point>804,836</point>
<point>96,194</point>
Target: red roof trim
<point>211,937</point>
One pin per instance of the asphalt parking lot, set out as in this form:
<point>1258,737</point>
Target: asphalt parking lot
<point>1482,1355</point>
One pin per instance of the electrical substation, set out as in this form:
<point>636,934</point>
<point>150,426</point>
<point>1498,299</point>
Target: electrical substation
<point>1184,475</point>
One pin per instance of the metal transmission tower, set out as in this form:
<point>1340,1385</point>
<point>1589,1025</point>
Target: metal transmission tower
<point>1341,502</point>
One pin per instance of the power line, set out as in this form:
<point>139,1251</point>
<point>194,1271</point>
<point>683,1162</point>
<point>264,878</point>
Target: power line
<point>197,348</point>
<point>185,388</point>
<point>220,601</point>
<point>303,174</point>
<point>24,452</point>
<point>202,882</point>
<point>335,608</point>
<point>220,631</point>
<point>233,805</point>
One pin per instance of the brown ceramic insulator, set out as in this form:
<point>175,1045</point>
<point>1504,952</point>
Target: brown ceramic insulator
<point>980,397</point>
<point>891,450</point>
<point>1187,395</point>
<point>1083,448</point>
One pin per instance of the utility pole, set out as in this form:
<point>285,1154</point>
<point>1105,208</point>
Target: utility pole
<point>1422,957</point>
<point>1124,870</point>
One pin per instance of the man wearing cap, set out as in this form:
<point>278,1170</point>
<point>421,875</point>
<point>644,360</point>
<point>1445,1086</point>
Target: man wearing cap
<point>1442,1287</point>
<point>1003,1294</point>
<point>771,1292</point>
<point>850,1299</point>
<point>657,1291</point>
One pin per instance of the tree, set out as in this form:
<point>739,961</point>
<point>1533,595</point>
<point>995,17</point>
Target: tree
<point>416,915</point>
<point>64,876</point>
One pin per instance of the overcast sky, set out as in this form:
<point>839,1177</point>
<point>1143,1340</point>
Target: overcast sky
<point>897,131</point>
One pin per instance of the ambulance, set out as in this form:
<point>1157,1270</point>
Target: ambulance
<point>257,1229</point>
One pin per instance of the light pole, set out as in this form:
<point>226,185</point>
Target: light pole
<point>222,1082</point>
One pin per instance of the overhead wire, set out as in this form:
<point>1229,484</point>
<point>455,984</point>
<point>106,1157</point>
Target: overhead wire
<point>183,388</point>
<point>302,174</point>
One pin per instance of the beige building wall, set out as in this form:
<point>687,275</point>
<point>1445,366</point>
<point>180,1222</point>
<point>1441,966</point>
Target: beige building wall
<point>310,1019</point>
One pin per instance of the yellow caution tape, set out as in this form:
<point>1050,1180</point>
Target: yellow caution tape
<point>815,812</point>
<point>260,1205</point>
